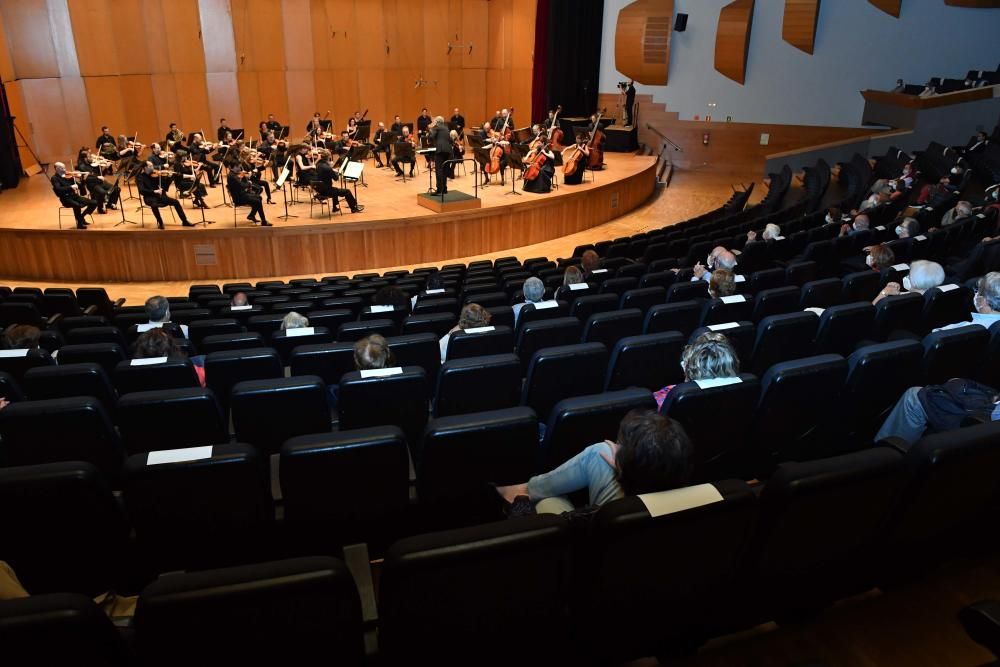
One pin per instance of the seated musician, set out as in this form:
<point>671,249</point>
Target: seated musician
<point>457,151</point>
<point>305,170</point>
<point>325,188</point>
<point>410,139</point>
<point>423,121</point>
<point>277,153</point>
<point>571,154</point>
<point>352,128</point>
<point>397,126</point>
<point>255,165</point>
<point>240,189</point>
<point>264,130</point>
<point>105,138</point>
<point>157,156</point>
<point>273,124</point>
<point>174,136</point>
<point>315,125</point>
<point>459,121</point>
<point>342,146</point>
<point>69,195</point>
<point>188,173</point>
<point>223,128</point>
<point>155,196</point>
<point>223,149</point>
<point>198,151</point>
<point>381,144</point>
<point>542,162</point>
<point>493,138</point>
<point>105,195</point>
<point>547,123</point>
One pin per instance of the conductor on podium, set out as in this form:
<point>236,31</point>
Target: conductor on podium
<point>440,136</point>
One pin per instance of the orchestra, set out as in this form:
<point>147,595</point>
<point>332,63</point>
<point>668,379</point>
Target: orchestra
<point>191,164</point>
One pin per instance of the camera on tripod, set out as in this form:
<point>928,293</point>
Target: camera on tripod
<point>623,85</point>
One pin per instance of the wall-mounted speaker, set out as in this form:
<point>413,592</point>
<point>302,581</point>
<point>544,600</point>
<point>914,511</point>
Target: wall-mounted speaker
<point>681,22</point>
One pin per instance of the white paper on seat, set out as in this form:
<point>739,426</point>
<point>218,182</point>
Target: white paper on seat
<point>901,267</point>
<point>576,286</point>
<point>300,331</point>
<point>151,361</point>
<point>947,288</point>
<point>475,330</point>
<point>778,238</point>
<point>14,353</point>
<point>240,307</point>
<point>179,455</point>
<point>382,309</point>
<point>678,500</point>
<point>599,271</point>
<point>814,309</point>
<point>736,298</point>
<point>723,327</point>
<point>739,279</point>
<point>545,305</point>
<point>881,228</point>
<point>381,372</point>
<point>716,382</point>
<point>439,290</point>
<point>920,238</point>
<point>980,215</point>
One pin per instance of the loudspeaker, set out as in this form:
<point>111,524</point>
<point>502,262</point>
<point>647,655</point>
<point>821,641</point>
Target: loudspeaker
<point>681,23</point>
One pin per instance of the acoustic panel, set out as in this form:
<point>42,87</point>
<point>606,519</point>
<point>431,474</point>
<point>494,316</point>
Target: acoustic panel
<point>799,25</point>
<point>642,40</point>
<point>890,7</point>
<point>732,39</point>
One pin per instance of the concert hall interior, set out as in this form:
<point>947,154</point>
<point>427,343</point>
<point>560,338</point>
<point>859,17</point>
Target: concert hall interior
<point>584,332</point>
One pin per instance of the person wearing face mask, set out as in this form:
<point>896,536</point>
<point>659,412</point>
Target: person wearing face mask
<point>861,224</point>
<point>923,276</point>
<point>985,304</point>
<point>895,187</point>
<point>880,257</point>
<point>908,228</point>
<point>933,194</point>
<point>962,210</point>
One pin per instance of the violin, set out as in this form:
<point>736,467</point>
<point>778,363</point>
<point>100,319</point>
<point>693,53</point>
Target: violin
<point>163,173</point>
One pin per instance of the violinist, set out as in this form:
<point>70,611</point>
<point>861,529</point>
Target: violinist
<point>65,187</point>
<point>538,175</point>
<point>276,151</point>
<point>255,168</point>
<point>154,194</point>
<point>315,126</point>
<point>273,124</point>
<point>381,140</point>
<point>326,175</point>
<point>199,150</point>
<point>241,192</point>
<point>187,175</point>
<point>410,139</point>
<point>220,133</point>
<point>157,156</point>
<point>457,151</point>
<point>343,145</point>
<point>305,170</point>
<point>578,151</point>
<point>97,188</point>
<point>174,136</point>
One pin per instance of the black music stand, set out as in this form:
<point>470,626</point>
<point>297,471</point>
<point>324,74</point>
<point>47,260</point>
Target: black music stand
<point>364,131</point>
<point>475,141</point>
<point>326,125</point>
<point>285,184</point>
<point>359,154</point>
<point>516,161</point>
<point>482,156</point>
<point>402,151</point>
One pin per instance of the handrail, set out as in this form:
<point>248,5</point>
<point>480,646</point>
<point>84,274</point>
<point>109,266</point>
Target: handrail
<point>665,138</point>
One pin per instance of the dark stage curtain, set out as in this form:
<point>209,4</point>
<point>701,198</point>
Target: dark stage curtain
<point>10,162</point>
<point>572,57</point>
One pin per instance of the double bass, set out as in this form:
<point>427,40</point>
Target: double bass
<point>596,158</point>
<point>556,135</point>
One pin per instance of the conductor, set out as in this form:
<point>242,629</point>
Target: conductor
<point>440,135</point>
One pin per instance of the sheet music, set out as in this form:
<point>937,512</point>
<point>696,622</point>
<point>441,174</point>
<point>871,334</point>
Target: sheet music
<point>354,170</point>
<point>282,177</point>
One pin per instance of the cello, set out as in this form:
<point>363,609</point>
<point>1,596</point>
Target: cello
<point>573,156</point>
<point>596,158</point>
<point>556,135</point>
<point>532,172</point>
<point>497,150</point>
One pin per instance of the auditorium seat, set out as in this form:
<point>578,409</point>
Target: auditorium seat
<point>954,353</point>
<point>664,597</point>
<point>10,389</point>
<point>67,380</point>
<point>329,361</point>
<point>823,293</point>
<point>741,334</point>
<point>608,328</point>
<point>97,297</point>
<point>585,306</point>
<point>733,308</point>
<point>344,488</point>
<point>422,349</point>
<point>285,341</point>
<point>576,423</point>
<point>355,331</point>
<point>279,612</point>
<point>64,531</point>
<point>564,371</point>
<point>687,290</point>
<point>60,429</point>
<point>860,286</point>
<point>198,330</point>
<point>199,507</point>
<point>842,328</point>
<point>265,324</point>
<point>682,316</point>
<point>17,362</point>
<point>780,338</point>
<point>461,457</point>
<point>898,315</point>
<point>170,419</point>
<point>877,375</point>
<point>87,335</point>
<point>538,335</point>
<point>106,355</point>
<point>59,629</point>
<point>480,342</point>
<point>651,361</point>
<point>618,285</point>
<point>224,369</point>
<point>230,341</point>
<point>436,305</point>
<point>175,373</point>
<point>437,323</point>
<point>477,384</point>
<point>766,279</point>
<point>775,301</point>
<point>397,399</point>
<point>944,308</point>
<point>267,412</point>
<point>67,324</point>
<point>643,298</point>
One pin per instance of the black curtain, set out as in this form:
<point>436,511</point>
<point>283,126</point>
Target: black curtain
<point>10,162</point>
<point>574,55</point>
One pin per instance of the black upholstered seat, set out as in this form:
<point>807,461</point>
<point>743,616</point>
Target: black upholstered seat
<point>170,419</point>
<point>477,384</point>
<point>268,412</point>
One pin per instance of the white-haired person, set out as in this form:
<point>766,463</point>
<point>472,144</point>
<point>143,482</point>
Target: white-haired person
<point>294,320</point>
<point>710,357</point>
<point>67,190</point>
<point>772,232</point>
<point>923,276</point>
<point>961,211</point>
<point>985,303</point>
<point>534,293</point>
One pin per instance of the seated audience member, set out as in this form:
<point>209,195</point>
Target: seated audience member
<point>880,257</point>
<point>651,454</point>
<point>572,276</point>
<point>834,214</point>
<point>861,224</point>
<point>434,282</point>
<point>719,258</point>
<point>370,353</point>
<point>962,210</point>
<point>985,302</point>
<point>239,300</point>
<point>158,312</point>
<point>874,201</point>
<point>942,406</point>
<point>113,605</point>
<point>472,316</point>
<point>157,343</point>
<point>722,283</point>
<point>772,232</point>
<point>894,187</point>
<point>590,261</point>
<point>294,320</point>
<point>923,276</point>
<point>908,228</point>
<point>21,337</point>
<point>391,295</point>
<point>534,292</point>
<point>933,194</point>
<point>710,357</point>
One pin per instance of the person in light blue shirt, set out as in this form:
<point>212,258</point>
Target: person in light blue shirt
<point>534,291</point>
<point>985,303</point>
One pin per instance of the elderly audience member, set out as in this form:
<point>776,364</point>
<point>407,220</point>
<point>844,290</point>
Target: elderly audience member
<point>880,257</point>
<point>472,316</point>
<point>158,312</point>
<point>294,320</point>
<point>157,343</point>
<point>710,357</point>
<point>962,210</point>
<point>985,303</point>
<point>942,406</point>
<point>534,293</point>
<point>907,228</point>
<point>239,300</point>
<point>772,232</point>
<point>923,276</point>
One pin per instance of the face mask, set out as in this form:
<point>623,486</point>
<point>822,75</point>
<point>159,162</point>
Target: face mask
<point>828,219</point>
<point>955,170</point>
<point>975,302</point>
<point>868,260</point>
<point>899,230</point>
<point>710,262</point>
<point>906,283</point>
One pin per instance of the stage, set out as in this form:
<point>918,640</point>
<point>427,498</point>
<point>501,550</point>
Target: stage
<point>392,230</point>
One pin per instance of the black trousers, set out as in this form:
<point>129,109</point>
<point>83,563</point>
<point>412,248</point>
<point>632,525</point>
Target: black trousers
<point>333,192</point>
<point>158,202</point>
<point>81,206</point>
<point>264,185</point>
<point>381,149</point>
<point>399,170</point>
<point>256,206</point>
<point>441,172</point>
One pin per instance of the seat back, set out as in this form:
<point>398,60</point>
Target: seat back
<point>477,384</point>
<point>782,337</point>
<point>329,361</point>
<point>355,331</point>
<point>286,341</point>
<point>107,355</point>
<point>954,353</point>
<point>390,397</point>
<point>538,335</point>
<point>422,349</point>
<point>197,330</point>
<point>733,308</point>
<point>643,298</point>
<point>268,412</point>
<point>230,341</point>
<point>587,305</point>
<point>436,323</point>
<point>900,313</point>
<point>682,316</point>
<point>10,390</point>
<point>860,286</point>
<point>223,370</point>
<point>842,327</point>
<point>685,291</point>
<point>138,375</point>
<point>820,293</point>
<point>775,301</point>
<point>556,373</point>
<point>942,308</point>
<point>105,334</point>
<point>17,362</point>
<point>480,341</point>
<point>170,419</point>
<point>68,380</point>
<point>877,375</point>
<point>608,328</point>
<point>650,361</point>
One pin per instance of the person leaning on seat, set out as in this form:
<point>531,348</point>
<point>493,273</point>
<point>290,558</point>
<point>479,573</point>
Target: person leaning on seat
<point>157,343</point>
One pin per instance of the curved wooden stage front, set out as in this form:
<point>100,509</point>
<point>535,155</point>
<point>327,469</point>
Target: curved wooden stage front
<point>392,231</point>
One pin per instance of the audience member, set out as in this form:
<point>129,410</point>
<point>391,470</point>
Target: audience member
<point>923,276</point>
<point>719,258</point>
<point>114,606</point>
<point>962,210</point>
<point>534,293</point>
<point>433,284</point>
<point>772,232</point>
<point>472,316</point>
<point>710,357</point>
<point>590,261</point>
<point>22,337</point>
<point>943,407</point>
<point>294,320</point>
<point>880,257</point>
<point>373,352</point>
<point>907,228</point>
<point>390,295</point>
<point>721,283</point>
<point>651,454</point>
<point>239,300</point>
<point>157,343</point>
<point>572,276</point>
<point>985,303</point>
<point>861,224</point>
<point>158,312</point>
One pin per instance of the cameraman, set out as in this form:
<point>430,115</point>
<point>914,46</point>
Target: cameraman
<point>628,87</point>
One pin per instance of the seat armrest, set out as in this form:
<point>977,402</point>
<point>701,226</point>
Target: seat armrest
<point>52,320</point>
<point>119,302</point>
<point>895,443</point>
<point>90,310</point>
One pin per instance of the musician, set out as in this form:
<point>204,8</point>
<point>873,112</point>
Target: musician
<point>273,124</point>
<point>440,138</point>
<point>457,150</point>
<point>157,156</point>
<point>493,138</point>
<point>97,188</point>
<point>223,128</point>
<point>547,123</point>
<point>342,146</point>
<point>243,195</point>
<point>305,170</point>
<point>155,196</point>
<point>358,117</point>
<point>459,121</point>
<point>187,177</point>
<point>497,121</point>
<point>105,138</point>
<point>397,126</point>
<point>276,151</point>
<point>410,139</point>
<point>199,150</point>
<point>224,150</point>
<point>326,175</point>
<point>381,140</point>
<point>68,192</point>
<point>174,136</point>
<point>255,169</point>
<point>542,183</point>
<point>581,144</point>
<point>352,127</point>
<point>506,116</point>
<point>315,125</point>
<point>424,121</point>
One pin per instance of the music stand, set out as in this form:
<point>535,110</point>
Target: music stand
<point>359,154</point>
<point>475,141</point>
<point>281,182</point>
<point>402,151</point>
<point>325,125</point>
<point>482,156</point>
<point>516,161</point>
<point>364,131</point>
<point>352,173</point>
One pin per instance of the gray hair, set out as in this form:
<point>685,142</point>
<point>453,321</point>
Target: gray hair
<point>911,226</point>
<point>989,288</point>
<point>861,222</point>
<point>157,309</point>
<point>710,356</point>
<point>963,209</point>
<point>925,275</point>
<point>60,166</point>
<point>294,320</point>
<point>725,260</point>
<point>572,276</point>
<point>771,232</point>
<point>534,290</point>
<point>439,119</point>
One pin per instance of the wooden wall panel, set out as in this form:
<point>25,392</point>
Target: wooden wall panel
<point>217,30</point>
<point>501,35</point>
<point>139,104</point>
<point>92,20</point>
<point>732,39</point>
<point>19,110</point>
<point>297,34</point>
<point>62,38</point>
<point>798,27</point>
<point>168,108</point>
<point>224,101</point>
<point>370,28</point>
<point>249,97</point>
<point>273,97</point>
<point>104,97</point>
<point>890,7</point>
<point>476,30</point>
<point>79,122</point>
<point>130,43</point>
<point>182,23</point>
<point>29,37</point>
<point>523,46</point>
<point>43,100</point>
<point>6,64</point>
<point>192,93</point>
<point>153,21</point>
<point>301,91</point>
<point>257,28</point>
<point>642,40</point>
<point>435,33</point>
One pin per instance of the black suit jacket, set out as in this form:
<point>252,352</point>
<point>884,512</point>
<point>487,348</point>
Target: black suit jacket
<point>440,135</point>
<point>237,188</point>
<point>459,120</point>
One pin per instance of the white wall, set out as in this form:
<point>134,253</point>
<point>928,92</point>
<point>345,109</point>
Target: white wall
<point>857,47</point>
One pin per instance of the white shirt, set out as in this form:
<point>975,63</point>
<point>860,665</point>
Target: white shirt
<point>979,319</point>
<point>142,328</point>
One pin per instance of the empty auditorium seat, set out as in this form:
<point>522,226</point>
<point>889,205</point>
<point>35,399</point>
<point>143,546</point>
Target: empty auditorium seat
<point>954,353</point>
<point>682,316</point>
<point>538,335</point>
<point>106,355</point>
<point>288,611</point>
<point>877,375</point>
<point>437,323</point>
<point>480,341</point>
<point>10,390</point>
<point>643,298</point>
<point>421,349</point>
<point>780,338</point>
<point>140,375</point>
<point>860,286</point>
<point>608,328</point>
<point>68,380</point>
<point>105,334</point>
<point>170,419</point>
<point>556,373</point>
<point>286,341</point>
<point>397,397</point>
<point>199,329</point>
<point>355,331</point>
<point>687,290</point>
<point>733,308</point>
<point>898,315</point>
<point>651,361</point>
<point>477,384</point>
<point>821,293</point>
<point>230,341</point>
<point>17,362</point>
<point>585,306</point>
<point>268,412</point>
<point>775,301</point>
<point>329,361</point>
<point>843,327</point>
<point>942,308</point>
<point>225,369</point>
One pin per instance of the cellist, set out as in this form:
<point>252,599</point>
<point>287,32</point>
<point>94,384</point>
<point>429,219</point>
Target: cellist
<point>538,175</point>
<point>578,153</point>
<point>494,141</point>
